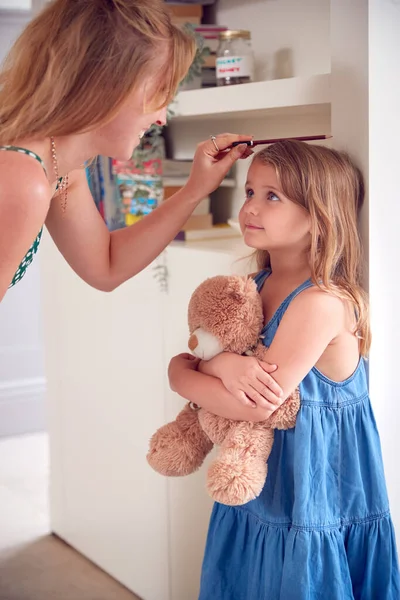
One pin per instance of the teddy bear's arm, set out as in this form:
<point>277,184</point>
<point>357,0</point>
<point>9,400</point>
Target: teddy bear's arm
<point>180,447</point>
<point>283,417</point>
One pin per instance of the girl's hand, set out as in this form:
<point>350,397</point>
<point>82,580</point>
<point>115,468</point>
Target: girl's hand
<point>210,166</point>
<point>247,379</point>
<point>178,365</point>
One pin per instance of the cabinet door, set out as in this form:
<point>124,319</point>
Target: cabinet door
<point>189,502</point>
<point>106,385</point>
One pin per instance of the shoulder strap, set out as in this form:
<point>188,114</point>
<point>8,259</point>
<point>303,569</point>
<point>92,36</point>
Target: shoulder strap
<point>261,277</point>
<point>25,151</point>
<point>278,314</point>
<point>304,286</point>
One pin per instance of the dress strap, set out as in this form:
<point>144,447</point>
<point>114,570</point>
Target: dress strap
<point>305,285</point>
<point>25,151</point>
<point>277,316</point>
<point>261,277</point>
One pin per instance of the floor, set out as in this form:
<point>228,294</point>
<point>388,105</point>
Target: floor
<point>34,565</point>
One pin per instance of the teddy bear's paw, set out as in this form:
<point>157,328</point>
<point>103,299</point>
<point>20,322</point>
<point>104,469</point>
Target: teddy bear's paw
<point>236,480</point>
<point>175,453</point>
<point>217,428</point>
<point>285,416</point>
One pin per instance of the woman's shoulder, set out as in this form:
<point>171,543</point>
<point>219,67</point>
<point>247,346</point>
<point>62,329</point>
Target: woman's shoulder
<point>23,182</point>
<point>22,161</point>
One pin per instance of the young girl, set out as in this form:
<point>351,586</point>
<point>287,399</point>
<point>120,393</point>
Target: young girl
<point>321,528</point>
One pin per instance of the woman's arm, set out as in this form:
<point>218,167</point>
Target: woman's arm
<point>106,260</point>
<point>103,259</point>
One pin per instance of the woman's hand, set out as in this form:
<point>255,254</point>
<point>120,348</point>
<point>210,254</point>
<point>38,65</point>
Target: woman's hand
<point>178,365</point>
<point>247,379</point>
<point>210,166</point>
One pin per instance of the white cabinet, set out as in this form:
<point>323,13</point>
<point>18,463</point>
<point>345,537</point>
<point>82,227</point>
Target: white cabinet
<point>106,363</point>
<point>189,504</point>
<point>104,367</point>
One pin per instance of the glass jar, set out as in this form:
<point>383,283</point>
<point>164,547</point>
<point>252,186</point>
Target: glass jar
<point>235,60</point>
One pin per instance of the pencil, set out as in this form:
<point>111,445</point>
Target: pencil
<point>305,138</point>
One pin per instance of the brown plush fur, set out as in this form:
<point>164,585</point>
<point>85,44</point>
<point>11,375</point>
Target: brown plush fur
<point>230,308</point>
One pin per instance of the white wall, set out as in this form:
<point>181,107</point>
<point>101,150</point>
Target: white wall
<point>384,239</point>
<point>15,4</point>
<point>366,122</point>
<point>22,380</point>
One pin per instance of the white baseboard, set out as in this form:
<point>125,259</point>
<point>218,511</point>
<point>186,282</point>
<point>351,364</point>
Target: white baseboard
<point>22,406</point>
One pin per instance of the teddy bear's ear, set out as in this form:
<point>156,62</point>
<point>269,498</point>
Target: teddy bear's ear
<point>243,288</point>
<point>250,285</point>
<point>230,308</point>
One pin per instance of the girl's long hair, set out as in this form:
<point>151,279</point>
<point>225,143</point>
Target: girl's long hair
<point>331,187</point>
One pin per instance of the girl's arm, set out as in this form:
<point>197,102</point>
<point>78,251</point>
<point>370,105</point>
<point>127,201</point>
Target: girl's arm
<point>105,260</point>
<point>209,392</point>
<point>311,322</point>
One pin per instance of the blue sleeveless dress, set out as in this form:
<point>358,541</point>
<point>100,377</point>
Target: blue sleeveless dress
<point>321,528</point>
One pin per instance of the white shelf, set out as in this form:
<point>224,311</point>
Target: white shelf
<point>180,181</point>
<point>259,98</point>
<point>231,246</point>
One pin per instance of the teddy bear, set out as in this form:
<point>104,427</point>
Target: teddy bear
<point>225,314</point>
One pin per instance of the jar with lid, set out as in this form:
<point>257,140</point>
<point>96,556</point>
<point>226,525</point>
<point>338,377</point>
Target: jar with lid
<point>235,60</point>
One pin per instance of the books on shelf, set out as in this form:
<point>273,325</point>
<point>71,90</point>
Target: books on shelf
<point>176,168</point>
<point>116,190</point>
<point>200,225</point>
<point>175,173</point>
<point>203,208</point>
<point>210,33</point>
<point>217,231</point>
<point>198,222</point>
<point>208,77</point>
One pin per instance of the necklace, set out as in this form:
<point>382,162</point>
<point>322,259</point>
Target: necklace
<point>62,182</point>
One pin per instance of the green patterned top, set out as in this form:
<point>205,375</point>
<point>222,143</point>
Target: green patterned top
<point>28,258</point>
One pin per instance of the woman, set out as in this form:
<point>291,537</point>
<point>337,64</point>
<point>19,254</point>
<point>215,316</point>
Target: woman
<point>88,78</point>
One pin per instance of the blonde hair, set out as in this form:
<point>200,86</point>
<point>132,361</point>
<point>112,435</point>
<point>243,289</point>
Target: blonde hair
<point>329,185</point>
<point>76,63</point>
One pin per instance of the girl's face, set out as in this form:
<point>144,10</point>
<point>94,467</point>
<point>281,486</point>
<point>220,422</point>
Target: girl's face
<point>268,219</point>
<point>121,136</point>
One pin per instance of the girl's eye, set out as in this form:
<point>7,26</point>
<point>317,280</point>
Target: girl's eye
<point>249,194</point>
<point>273,197</point>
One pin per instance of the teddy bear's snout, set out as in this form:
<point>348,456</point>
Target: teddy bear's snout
<point>204,344</point>
<point>193,342</point>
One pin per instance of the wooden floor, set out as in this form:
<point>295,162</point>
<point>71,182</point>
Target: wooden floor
<point>35,565</point>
